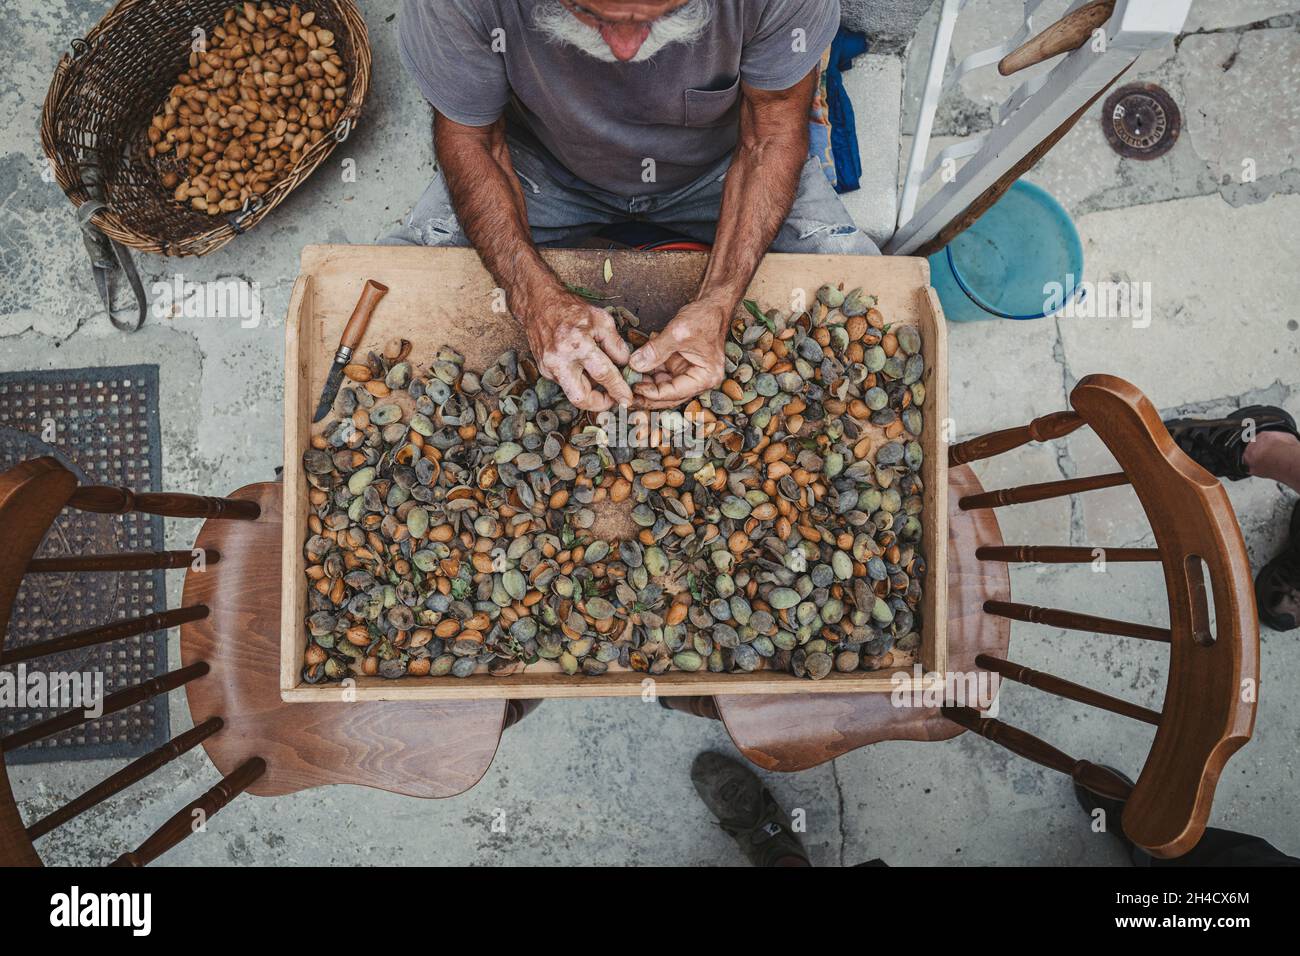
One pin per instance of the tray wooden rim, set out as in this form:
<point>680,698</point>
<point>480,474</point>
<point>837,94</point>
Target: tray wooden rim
<point>298,402</point>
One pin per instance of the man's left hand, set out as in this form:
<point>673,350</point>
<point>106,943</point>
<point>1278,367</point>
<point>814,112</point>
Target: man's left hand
<point>686,358</point>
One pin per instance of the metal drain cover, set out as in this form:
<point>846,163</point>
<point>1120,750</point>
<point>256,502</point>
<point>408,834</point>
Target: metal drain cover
<point>1141,121</point>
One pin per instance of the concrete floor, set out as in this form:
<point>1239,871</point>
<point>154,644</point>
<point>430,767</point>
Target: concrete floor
<point>607,781</point>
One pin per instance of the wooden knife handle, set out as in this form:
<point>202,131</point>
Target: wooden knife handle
<point>1068,33</point>
<point>356,327</point>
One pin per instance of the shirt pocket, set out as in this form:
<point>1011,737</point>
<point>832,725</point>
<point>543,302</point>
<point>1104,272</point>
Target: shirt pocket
<point>711,107</point>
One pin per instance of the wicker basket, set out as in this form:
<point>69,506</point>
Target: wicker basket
<point>103,96</point>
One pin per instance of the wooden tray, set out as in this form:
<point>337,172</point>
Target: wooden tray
<point>445,297</point>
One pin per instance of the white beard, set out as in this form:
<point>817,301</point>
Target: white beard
<point>683,25</point>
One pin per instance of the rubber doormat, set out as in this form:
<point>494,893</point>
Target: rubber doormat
<point>101,424</point>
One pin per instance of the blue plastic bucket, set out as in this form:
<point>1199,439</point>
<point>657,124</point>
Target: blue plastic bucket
<point>1022,259</point>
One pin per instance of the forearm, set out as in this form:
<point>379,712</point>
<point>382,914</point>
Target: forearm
<point>574,343</point>
<point>490,206</point>
<point>759,191</point>
<point>687,357</point>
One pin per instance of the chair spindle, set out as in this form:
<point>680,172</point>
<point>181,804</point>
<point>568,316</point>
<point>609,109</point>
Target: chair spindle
<point>1096,778</point>
<point>181,824</point>
<point>125,561</point>
<point>114,702</point>
<point>1052,554</point>
<point>1074,621</point>
<point>1061,687</point>
<point>1044,428</point>
<point>107,500</point>
<point>704,706</point>
<point>1042,491</point>
<point>105,633</point>
<point>133,772</point>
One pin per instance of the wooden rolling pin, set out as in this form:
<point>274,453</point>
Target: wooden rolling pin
<point>1068,33</point>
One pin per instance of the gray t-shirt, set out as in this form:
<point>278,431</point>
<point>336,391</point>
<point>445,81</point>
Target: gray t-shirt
<point>477,59</point>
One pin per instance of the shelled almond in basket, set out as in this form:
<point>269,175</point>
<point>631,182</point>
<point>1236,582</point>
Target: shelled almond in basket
<point>264,87</point>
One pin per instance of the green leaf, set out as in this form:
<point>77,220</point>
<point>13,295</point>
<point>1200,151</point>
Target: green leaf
<point>757,313</point>
<point>589,294</point>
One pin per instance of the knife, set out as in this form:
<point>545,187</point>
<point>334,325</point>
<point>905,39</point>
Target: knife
<point>351,338</point>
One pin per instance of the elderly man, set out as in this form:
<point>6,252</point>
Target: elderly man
<point>554,118</point>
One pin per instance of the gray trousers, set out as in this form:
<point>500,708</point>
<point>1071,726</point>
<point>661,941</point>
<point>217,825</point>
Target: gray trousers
<point>563,209</point>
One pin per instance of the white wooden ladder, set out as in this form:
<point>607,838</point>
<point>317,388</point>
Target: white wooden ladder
<point>1096,40</point>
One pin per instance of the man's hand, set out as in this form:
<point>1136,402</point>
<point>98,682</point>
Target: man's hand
<point>686,358</point>
<point>575,344</point>
<point>578,347</point>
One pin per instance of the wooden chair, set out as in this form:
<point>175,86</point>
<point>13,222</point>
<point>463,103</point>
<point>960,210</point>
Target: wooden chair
<point>1213,679</point>
<point>230,626</point>
<point>1209,706</point>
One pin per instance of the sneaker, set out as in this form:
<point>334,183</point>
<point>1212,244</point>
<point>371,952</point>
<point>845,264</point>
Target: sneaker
<point>747,810</point>
<point>1217,444</point>
<point>1277,586</point>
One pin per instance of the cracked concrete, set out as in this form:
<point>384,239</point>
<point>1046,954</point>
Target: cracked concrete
<point>607,781</point>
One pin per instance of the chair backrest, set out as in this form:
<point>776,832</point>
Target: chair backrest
<point>31,496</point>
<point>1209,707</point>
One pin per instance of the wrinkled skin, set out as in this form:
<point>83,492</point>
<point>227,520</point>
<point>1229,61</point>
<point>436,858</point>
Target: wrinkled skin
<point>686,358</point>
<point>578,347</point>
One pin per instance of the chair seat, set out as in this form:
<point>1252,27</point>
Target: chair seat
<point>790,732</point>
<point>422,749</point>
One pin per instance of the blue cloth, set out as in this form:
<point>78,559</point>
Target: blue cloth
<point>819,134</point>
<point>844,131</point>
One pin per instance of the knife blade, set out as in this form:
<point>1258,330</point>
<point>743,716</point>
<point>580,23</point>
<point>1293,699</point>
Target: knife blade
<point>371,293</point>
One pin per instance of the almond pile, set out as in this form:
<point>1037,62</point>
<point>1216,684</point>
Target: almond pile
<point>775,523</point>
<point>268,85</point>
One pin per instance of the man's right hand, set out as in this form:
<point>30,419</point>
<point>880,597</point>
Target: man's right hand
<point>577,346</point>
